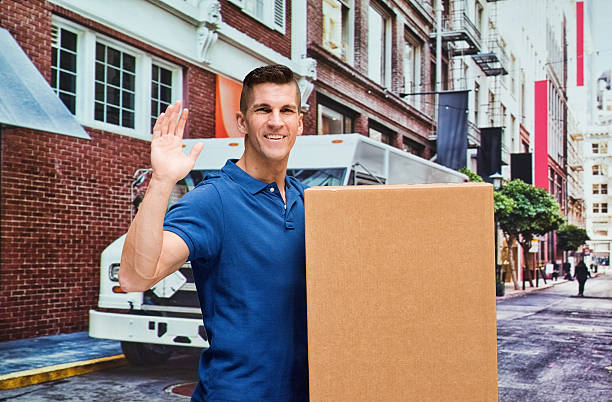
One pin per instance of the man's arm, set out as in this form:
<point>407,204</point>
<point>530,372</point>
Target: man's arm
<point>150,253</point>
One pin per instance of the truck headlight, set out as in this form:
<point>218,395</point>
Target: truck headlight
<point>113,272</point>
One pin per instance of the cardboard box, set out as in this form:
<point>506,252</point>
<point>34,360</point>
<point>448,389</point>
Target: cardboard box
<point>401,293</point>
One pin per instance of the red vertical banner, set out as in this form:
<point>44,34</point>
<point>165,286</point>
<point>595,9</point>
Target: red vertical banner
<point>580,43</point>
<point>540,143</point>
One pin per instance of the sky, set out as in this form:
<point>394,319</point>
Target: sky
<point>601,30</point>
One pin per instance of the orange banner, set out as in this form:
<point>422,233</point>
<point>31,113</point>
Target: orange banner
<point>226,105</point>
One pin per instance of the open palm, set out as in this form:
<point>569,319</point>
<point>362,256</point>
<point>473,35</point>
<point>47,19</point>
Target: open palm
<point>168,160</point>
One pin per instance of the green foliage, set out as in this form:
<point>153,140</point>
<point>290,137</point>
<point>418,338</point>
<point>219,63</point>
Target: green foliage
<point>531,212</point>
<point>471,175</point>
<point>571,237</point>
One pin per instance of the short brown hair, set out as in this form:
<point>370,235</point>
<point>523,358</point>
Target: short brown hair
<point>275,74</point>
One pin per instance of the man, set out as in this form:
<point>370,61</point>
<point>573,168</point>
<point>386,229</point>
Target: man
<point>243,231</point>
<point>581,272</point>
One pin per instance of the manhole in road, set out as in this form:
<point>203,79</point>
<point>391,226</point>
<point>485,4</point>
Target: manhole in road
<point>182,389</point>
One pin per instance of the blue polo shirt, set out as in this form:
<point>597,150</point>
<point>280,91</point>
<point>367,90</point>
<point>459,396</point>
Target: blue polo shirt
<point>248,257</point>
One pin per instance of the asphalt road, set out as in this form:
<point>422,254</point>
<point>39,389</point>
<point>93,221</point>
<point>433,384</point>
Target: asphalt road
<point>552,346</point>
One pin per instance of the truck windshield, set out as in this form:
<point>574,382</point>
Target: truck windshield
<point>308,177</point>
<point>319,177</point>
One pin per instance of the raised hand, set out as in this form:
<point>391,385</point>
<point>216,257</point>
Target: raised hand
<point>170,164</point>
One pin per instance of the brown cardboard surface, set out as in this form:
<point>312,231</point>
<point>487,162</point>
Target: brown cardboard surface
<point>401,293</point>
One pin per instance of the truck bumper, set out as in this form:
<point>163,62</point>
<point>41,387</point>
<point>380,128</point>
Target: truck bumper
<point>148,329</point>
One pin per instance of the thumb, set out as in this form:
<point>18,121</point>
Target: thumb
<point>195,151</point>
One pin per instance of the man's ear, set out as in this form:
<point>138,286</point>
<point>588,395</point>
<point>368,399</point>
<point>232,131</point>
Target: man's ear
<point>300,124</point>
<point>241,123</point>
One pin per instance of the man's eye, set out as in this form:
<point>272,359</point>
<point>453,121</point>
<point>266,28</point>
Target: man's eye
<point>262,110</point>
<point>287,110</point>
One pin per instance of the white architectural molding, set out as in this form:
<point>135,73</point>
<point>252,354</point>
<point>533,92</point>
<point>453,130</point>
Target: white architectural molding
<point>207,31</point>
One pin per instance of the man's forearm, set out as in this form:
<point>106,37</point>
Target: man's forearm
<point>144,240</point>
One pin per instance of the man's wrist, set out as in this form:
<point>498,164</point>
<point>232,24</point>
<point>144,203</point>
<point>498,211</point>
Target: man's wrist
<point>162,182</point>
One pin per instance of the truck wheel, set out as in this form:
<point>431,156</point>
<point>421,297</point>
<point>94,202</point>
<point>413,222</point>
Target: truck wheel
<point>145,354</point>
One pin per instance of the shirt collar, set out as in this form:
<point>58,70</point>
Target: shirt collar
<point>246,180</point>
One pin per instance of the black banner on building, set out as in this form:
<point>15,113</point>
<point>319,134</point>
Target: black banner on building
<point>520,167</point>
<point>489,159</point>
<point>452,129</point>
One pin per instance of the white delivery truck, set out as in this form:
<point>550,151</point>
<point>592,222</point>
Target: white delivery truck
<point>150,324</point>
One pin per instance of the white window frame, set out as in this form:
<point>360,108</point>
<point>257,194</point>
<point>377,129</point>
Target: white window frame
<point>386,78</point>
<point>269,10</point>
<point>417,54</point>
<point>598,207</point>
<point>348,25</point>
<point>85,98</point>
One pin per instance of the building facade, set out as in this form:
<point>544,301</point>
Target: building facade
<point>374,71</point>
<point>115,65</point>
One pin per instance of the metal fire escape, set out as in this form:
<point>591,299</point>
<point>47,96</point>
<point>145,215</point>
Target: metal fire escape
<point>459,33</point>
<point>493,60</point>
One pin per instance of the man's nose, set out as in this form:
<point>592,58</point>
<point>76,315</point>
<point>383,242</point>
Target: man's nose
<point>275,119</point>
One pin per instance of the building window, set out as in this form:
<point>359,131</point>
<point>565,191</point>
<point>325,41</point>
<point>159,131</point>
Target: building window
<point>117,88</point>
<point>600,207</point>
<point>332,121</point>
<point>491,110</point>
<point>271,13</point>
<point>337,28</point>
<point>385,138</point>
<point>161,91</point>
<point>64,66</point>
<point>378,132</point>
<point>603,233</point>
<point>412,147</point>
<point>412,69</point>
<point>600,147</point>
<point>378,37</point>
<point>599,170</point>
<point>600,189</point>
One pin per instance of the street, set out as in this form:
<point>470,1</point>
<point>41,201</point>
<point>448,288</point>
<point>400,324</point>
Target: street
<point>552,346</point>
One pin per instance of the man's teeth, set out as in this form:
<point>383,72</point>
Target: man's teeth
<point>274,137</point>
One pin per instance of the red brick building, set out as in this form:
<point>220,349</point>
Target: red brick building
<point>115,65</point>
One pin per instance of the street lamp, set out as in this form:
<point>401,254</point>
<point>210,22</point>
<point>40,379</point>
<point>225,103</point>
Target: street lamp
<point>500,286</point>
<point>497,180</point>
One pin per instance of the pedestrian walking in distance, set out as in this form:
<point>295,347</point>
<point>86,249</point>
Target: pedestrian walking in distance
<point>581,273</point>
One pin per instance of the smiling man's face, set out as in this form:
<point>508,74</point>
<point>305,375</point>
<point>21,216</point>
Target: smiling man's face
<point>272,122</point>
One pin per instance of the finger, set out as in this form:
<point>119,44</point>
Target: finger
<point>176,110</point>
<point>195,151</point>
<point>158,124</point>
<point>181,123</point>
<point>167,118</point>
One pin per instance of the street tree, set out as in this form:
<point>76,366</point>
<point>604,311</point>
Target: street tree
<point>531,212</point>
<point>571,237</point>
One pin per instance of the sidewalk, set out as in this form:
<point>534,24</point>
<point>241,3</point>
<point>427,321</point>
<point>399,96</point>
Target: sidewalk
<point>511,292</point>
<point>32,361</point>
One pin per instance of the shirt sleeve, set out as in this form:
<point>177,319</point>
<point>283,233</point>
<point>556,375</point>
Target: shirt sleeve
<point>198,219</point>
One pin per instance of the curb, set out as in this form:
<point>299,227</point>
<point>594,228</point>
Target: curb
<point>51,373</point>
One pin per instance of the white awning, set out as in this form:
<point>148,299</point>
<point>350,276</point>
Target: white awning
<point>26,99</point>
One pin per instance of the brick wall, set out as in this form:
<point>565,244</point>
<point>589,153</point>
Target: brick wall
<point>235,17</point>
<point>30,24</point>
<point>63,200</point>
